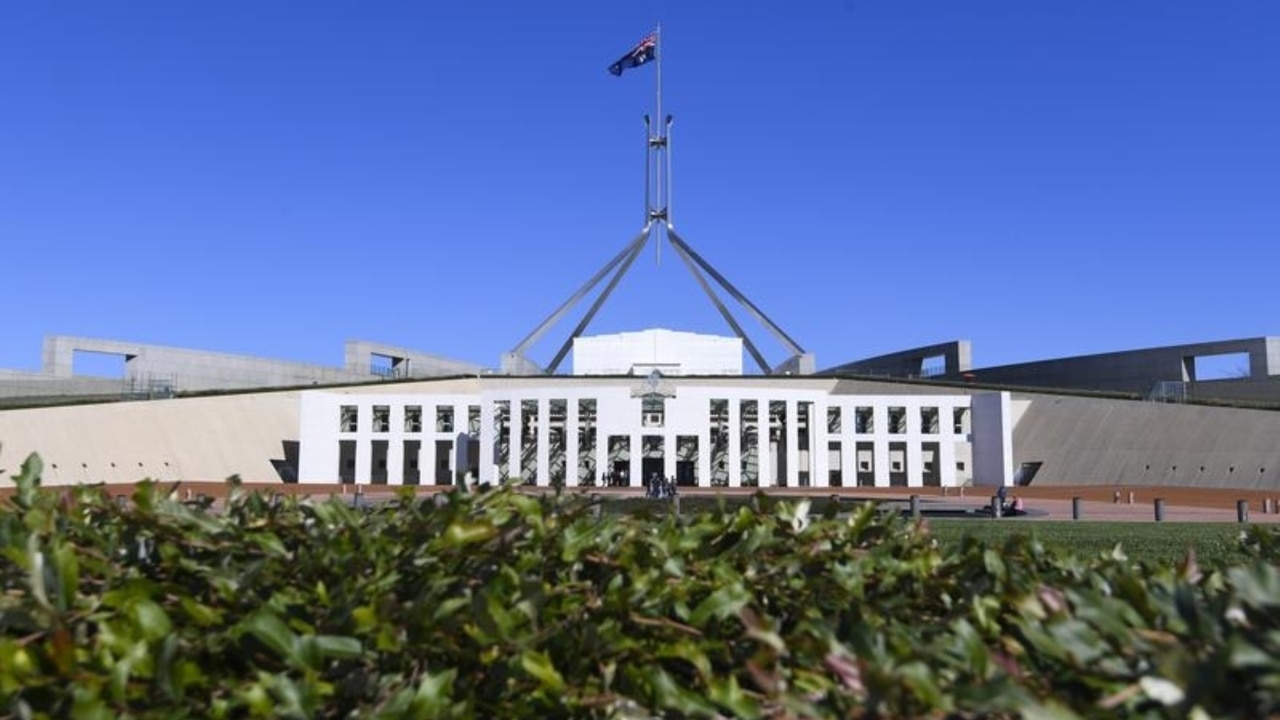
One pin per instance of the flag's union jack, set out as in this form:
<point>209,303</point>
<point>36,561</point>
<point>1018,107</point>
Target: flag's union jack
<point>643,52</point>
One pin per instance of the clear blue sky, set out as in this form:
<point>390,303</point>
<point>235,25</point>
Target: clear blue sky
<point>273,177</point>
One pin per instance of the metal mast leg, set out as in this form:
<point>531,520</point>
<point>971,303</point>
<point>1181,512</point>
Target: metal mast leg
<point>533,337</point>
<point>729,288</point>
<point>724,311</point>
<point>634,250</point>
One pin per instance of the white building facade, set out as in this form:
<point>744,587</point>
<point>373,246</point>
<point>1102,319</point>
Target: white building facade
<point>670,352</point>
<point>610,431</point>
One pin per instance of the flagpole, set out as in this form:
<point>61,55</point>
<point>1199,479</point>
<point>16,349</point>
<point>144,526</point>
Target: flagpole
<point>662,133</point>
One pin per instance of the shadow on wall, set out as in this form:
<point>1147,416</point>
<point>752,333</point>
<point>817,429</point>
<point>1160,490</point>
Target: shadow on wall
<point>287,467</point>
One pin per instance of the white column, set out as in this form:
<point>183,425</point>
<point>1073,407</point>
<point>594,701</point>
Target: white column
<point>544,442</point>
<point>848,448</point>
<point>571,442</point>
<point>461,440</point>
<point>364,443</point>
<point>879,444</point>
<point>947,460</point>
<point>734,458</point>
<point>488,443</point>
<point>792,436</point>
<point>763,452</point>
<point>517,440</point>
<point>880,453</point>
<point>704,457</point>
<point>819,445</point>
<point>634,473</point>
<point>395,447</point>
<point>670,446</point>
<point>915,462</point>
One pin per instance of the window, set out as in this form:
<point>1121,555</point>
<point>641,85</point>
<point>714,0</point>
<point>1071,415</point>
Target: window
<point>348,418</point>
<point>864,420</point>
<point>653,412</point>
<point>444,418</point>
<point>929,420</point>
<point>834,423</point>
<point>898,420</point>
<point>381,418</point>
<point>473,420</point>
<point>413,418</point>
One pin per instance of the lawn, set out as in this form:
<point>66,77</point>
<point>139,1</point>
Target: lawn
<point>1216,544</point>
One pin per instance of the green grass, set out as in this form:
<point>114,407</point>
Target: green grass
<point>1216,544</point>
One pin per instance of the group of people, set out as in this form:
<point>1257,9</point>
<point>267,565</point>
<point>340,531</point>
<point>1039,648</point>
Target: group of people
<point>660,488</point>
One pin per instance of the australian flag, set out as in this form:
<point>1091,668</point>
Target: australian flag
<point>643,52</point>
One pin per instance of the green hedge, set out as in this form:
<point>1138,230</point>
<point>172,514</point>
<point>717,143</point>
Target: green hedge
<point>505,605</point>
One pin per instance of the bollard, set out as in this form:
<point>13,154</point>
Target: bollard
<point>1159,506</point>
<point>997,511</point>
<point>915,506</point>
<point>945,490</point>
<point>1077,508</point>
<point>1242,511</point>
<point>961,491</point>
<point>1266,506</point>
<point>1130,497</point>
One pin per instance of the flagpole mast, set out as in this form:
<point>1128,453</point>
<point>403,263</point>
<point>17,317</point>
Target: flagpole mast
<point>662,134</point>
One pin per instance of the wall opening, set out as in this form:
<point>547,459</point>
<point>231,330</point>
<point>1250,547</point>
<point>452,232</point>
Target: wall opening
<point>1226,366</point>
<point>378,463</point>
<point>382,365</point>
<point>933,366</point>
<point>412,474</point>
<point>1026,472</point>
<point>346,461</point>
<point>444,462</point>
<point>88,363</point>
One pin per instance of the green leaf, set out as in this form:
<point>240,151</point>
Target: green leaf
<point>150,618</point>
<point>339,647</point>
<point>28,481</point>
<point>539,665</point>
<point>272,632</point>
<point>68,567</point>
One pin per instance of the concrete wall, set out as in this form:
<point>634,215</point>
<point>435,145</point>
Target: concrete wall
<point>406,363</point>
<point>992,451</point>
<point>151,367</point>
<point>957,359</point>
<point>208,438</point>
<point>16,384</point>
<point>1130,371</point>
<point>1130,442</point>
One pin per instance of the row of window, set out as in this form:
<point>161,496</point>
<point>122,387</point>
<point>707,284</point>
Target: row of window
<point>349,419</point>
<point>653,414</point>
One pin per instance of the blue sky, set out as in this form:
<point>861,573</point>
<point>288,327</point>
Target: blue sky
<point>273,177</point>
